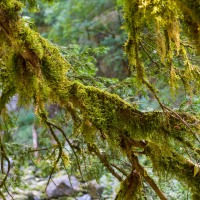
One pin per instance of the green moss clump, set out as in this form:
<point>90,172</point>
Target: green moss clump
<point>31,39</point>
<point>173,165</point>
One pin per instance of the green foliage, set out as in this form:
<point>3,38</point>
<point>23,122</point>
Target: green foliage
<point>33,4</point>
<point>88,124</point>
<point>89,24</point>
<point>83,60</point>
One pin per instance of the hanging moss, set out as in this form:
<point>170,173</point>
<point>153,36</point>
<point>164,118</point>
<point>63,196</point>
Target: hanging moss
<point>112,115</point>
<point>169,19</point>
<point>174,165</point>
<point>88,131</point>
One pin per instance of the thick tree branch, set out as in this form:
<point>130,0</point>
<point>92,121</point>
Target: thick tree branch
<point>148,179</point>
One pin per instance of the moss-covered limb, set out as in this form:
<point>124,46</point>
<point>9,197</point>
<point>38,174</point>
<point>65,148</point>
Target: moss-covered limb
<point>109,113</point>
<point>100,107</point>
<point>131,188</point>
<point>121,122</point>
<point>37,63</point>
<point>174,165</point>
<point>126,145</point>
<point>166,162</point>
<point>117,120</point>
<point>13,32</point>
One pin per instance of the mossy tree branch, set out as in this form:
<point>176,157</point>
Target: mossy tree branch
<point>123,125</point>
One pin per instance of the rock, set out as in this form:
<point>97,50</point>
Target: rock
<point>94,189</point>
<point>18,197</point>
<point>12,103</point>
<point>41,184</point>
<point>84,197</point>
<point>62,186</point>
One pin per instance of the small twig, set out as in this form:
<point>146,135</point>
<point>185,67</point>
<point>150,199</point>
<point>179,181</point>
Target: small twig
<point>71,146</point>
<point>69,177</point>
<point>144,49</point>
<point>105,161</point>
<point>2,160</point>
<point>186,151</point>
<point>8,192</point>
<point>39,149</point>
<point>152,89</point>
<point>59,155</point>
<point>8,161</point>
<point>119,169</point>
<point>52,153</point>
